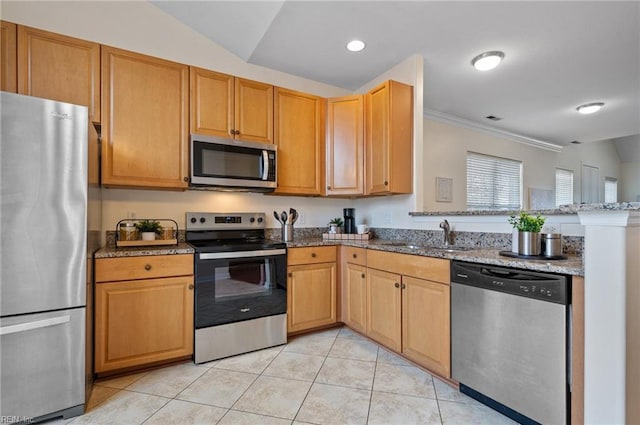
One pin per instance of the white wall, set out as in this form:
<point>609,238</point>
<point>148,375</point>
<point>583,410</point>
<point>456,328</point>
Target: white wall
<point>629,185</point>
<point>446,145</point>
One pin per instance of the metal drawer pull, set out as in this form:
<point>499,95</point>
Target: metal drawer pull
<point>22,327</point>
<point>355,255</point>
<point>403,286</point>
<point>147,267</point>
<point>363,275</point>
<point>397,285</point>
<point>313,255</point>
<point>190,286</point>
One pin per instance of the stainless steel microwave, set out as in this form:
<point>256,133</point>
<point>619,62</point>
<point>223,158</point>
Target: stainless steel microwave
<point>225,164</point>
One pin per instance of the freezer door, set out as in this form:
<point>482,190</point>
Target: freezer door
<point>43,176</point>
<point>42,363</point>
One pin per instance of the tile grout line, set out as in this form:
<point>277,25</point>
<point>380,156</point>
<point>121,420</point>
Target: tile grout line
<point>316,377</point>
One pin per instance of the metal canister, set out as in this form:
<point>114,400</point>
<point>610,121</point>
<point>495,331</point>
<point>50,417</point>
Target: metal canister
<point>551,244</point>
<point>128,231</point>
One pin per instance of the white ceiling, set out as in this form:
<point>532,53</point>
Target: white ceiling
<point>558,54</point>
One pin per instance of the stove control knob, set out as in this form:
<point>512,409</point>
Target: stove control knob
<point>202,220</point>
<point>259,219</point>
<point>193,219</point>
<point>252,219</point>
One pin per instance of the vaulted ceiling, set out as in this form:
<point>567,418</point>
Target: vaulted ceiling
<point>558,55</point>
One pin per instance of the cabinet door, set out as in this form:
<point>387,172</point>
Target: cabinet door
<point>389,139</point>
<point>300,139</point>
<point>345,146</point>
<point>144,131</point>
<point>58,67</point>
<point>143,321</point>
<point>384,308</point>
<point>8,56</point>
<point>212,111</point>
<point>253,111</point>
<point>426,324</point>
<point>355,292</point>
<point>311,296</point>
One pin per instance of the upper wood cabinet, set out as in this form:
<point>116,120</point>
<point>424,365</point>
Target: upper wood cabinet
<point>8,56</point>
<point>389,139</point>
<point>299,127</point>
<point>144,130</point>
<point>345,146</point>
<point>58,67</point>
<point>231,107</point>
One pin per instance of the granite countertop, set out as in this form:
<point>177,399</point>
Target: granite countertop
<point>572,265</point>
<point>139,251</point>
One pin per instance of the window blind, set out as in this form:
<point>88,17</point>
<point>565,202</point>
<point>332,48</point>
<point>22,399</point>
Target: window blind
<point>564,187</point>
<point>610,189</point>
<point>493,183</point>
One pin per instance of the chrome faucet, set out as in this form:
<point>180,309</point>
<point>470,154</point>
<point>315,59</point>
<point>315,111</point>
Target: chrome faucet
<point>444,225</point>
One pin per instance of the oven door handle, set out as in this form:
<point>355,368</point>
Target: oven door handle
<point>241,254</point>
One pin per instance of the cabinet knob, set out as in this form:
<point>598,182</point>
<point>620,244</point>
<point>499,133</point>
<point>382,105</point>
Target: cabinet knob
<point>191,287</point>
<point>397,285</point>
<point>313,255</point>
<point>186,179</point>
<point>147,267</point>
<point>237,132</point>
<point>403,286</point>
<point>290,274</point>
<point>362,275</point>
<point>386,183</point>
<point>328,187</point>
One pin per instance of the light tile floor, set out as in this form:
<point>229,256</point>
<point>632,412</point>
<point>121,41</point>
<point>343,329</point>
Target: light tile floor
<point>330,377</point>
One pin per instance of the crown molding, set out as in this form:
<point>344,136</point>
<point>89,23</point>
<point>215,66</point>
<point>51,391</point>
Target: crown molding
<point>472,125</point>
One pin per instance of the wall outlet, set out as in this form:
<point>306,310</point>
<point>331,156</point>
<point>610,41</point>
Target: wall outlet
<point>301,217</point>
<point>386,218</point>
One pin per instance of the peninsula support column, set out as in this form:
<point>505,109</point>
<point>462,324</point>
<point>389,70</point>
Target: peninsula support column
<point>612,316</point>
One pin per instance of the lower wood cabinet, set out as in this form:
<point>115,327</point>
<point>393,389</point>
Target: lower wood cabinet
<point>355,294</point>
<point>311,288</point>
<point>384,308</point>
<point>408,307</point>
<point>426,326</point>
<point>145,319</point>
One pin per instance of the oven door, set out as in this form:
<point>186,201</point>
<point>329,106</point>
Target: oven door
<point>237,286</point>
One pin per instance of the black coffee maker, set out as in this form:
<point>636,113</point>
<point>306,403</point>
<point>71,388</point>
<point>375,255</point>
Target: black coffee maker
<point>350,220</point>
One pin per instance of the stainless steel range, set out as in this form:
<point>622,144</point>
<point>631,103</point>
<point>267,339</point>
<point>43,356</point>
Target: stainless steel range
<point>240,284</point>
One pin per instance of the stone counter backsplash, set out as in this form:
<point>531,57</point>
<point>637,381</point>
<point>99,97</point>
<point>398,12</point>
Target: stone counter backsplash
<point>480,240</point>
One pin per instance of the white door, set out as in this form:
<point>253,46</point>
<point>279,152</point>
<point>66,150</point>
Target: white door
<point>590,188</point>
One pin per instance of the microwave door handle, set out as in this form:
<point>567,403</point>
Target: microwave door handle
<point>265,165</point>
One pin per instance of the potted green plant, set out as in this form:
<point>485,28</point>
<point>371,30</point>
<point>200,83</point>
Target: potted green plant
<point>149,229</point>
<point>335,225</point>
<point>528,228</point>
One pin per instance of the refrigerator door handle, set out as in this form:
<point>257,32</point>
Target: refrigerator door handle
<point>23,327</point>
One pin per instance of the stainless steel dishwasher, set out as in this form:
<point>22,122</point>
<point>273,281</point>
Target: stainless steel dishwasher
<point>510,340</point>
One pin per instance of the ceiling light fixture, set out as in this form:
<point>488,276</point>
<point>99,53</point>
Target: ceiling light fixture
<point>590,108</point>
<point>355,45</point>
<point>487,60</point>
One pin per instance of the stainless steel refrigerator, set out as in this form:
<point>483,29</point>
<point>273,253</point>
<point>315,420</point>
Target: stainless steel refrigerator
<point>50,218</point>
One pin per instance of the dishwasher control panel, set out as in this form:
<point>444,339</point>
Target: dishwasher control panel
<point>542,286</point>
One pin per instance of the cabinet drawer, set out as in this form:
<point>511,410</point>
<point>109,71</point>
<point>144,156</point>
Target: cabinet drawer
<point>146,267</point>
<point>355,255</point>
<point>311,255</point>
<point>428,268</point>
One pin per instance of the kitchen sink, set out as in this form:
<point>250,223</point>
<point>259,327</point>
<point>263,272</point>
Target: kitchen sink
<point>445,248</point>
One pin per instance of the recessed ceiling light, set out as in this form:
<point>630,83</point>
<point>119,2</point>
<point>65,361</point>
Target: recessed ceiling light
<point>487,60</point>
<point>355,45</point>
<point>590,108</point>
<point>575,142</point>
